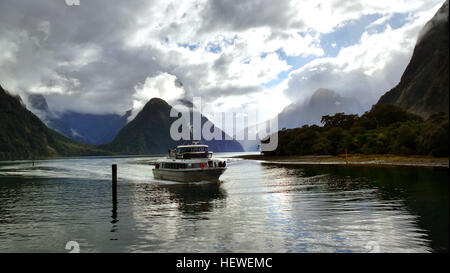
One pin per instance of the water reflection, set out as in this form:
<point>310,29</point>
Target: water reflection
<point>190,199</point>
<point>115,219</point>
<point>166,216</point>
<point>197,199</point>
<point>258,207</point>
<point>404,208</point>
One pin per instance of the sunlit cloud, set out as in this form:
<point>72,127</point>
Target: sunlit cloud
<point>260,54</point>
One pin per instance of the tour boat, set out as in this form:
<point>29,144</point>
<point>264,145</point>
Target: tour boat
<point>189,163</point>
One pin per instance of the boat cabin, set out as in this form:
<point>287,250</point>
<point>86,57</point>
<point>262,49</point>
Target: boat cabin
<point>192,151</point>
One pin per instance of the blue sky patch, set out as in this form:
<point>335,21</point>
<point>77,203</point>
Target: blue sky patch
<point>331,43</point>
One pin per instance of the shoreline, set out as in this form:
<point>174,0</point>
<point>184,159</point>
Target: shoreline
<point>353,159</point>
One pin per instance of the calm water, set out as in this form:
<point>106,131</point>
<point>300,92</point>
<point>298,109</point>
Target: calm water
<point>256,208</point>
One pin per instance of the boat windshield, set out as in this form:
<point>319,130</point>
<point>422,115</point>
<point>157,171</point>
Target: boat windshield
<point>195,155</point>
<point>192,150</point>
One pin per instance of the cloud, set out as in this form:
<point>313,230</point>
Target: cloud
<point>163,85</point>
<point>440,16</point>
<point>236,15</point>
<point>103,57</point>
<point>365,70</point>
<point>322,102</point>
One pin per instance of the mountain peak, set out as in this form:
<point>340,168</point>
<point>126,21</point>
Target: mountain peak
<point>38,102</point>
<point>439,20</point>
<point>322,102</point>
<point>322,94</point>
<point>423,88</point>
<point>154,105</point>
<point>321,91</point>
<point>7,93</point>
<point>157,101</point>
<point>149,133</point>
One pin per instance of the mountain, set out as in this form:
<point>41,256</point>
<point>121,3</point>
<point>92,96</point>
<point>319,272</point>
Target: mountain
<point>322,102</point>
<point>88,128</point>
<point>24,136</point>
<point>149,133</point>
<point>423,88</point>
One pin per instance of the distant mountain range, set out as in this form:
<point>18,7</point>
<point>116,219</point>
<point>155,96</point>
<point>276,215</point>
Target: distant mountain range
<point>322,102</point>
<point>24,136</point>
<point>88,128</point>
<point>149,133</point>
<point>423,88</point>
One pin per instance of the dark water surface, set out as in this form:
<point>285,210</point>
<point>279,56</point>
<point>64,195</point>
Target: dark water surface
<point>256,208</point>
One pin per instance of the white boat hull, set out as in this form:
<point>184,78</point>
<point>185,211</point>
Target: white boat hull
<point>189,175</point>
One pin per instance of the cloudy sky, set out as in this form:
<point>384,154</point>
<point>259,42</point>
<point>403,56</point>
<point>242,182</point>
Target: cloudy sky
<point>111,56</point>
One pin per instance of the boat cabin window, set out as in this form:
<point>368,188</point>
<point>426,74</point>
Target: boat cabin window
<point>202,155</point>
<point>173,165</point>
<point>195,155</point>
<point>192,150</point>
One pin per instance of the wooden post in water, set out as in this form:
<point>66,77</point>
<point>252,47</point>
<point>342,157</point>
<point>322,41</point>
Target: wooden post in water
<point>114,195</point>
<point>114,184</point>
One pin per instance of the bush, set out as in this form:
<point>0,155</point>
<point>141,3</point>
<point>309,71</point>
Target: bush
<point>406,142</point>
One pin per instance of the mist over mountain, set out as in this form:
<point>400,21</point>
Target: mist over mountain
<point>322,102</point>
<point>24,136</point>
<point>89,128</point>
<point>149,133</point>
<point>423,88</point>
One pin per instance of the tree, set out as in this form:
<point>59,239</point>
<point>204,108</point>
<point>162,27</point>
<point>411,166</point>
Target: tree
<point>335,136</point>
<point>406,140</point>
<point>382,130</point>
<point>340,120</point>
<point>387,114</point>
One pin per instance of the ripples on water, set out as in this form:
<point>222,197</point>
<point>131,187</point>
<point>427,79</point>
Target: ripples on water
<point>255,208</point>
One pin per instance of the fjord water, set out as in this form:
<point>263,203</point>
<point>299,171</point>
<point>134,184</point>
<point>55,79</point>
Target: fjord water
<point>255,208</point>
